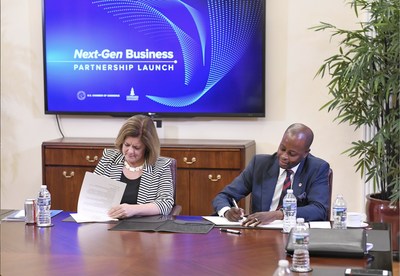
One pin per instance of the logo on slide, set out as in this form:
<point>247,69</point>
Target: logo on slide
<point>132,96</point>
<point>81,95</point>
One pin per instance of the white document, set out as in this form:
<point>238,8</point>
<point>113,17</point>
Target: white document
<point>15,216</point>
<point>220,221</point>
<point>20,215</point>
<point>98,194</point>
<point>320,224</point>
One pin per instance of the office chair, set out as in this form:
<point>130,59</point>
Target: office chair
<point>176,209</point>
<point>330,183</point>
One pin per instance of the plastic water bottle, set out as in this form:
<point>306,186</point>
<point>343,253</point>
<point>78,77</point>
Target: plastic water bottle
<point>301,256</point>
<point>283,269</point>
<point>339,215</point>
<point>289,207</point>
<point>43,205</point>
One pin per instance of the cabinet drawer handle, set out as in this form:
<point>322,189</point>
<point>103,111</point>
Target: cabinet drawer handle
<point>188,162</point>
<point>91,160</point>
<point>214,179</point>
<point>68,176</point>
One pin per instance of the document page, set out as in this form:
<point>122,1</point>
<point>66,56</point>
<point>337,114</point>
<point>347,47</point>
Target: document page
<point>98,194</point>
<point>220,221</point>
<point>320,224</point>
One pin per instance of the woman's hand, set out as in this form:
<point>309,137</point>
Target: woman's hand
<point>122,211</point>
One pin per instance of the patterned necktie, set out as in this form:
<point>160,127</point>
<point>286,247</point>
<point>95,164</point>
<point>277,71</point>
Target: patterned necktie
<point>286,185</point>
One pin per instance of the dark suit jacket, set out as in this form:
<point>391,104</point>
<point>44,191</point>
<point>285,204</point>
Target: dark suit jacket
<point>310,186</point>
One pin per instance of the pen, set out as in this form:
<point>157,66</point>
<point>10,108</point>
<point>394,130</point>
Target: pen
<point>234,203</point>
<point>236,206</point>
<point>230,231</point>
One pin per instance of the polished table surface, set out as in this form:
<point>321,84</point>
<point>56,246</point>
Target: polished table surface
<point>69,248</point>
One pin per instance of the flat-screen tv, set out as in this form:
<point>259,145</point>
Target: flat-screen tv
<point>165,58</point>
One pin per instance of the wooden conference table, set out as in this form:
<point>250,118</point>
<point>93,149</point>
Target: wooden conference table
<point>69,248</point>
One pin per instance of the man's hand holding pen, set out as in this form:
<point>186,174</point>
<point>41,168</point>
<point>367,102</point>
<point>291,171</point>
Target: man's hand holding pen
<point>235,213</point>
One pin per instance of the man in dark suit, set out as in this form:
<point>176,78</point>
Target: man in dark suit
<point>264,178</point>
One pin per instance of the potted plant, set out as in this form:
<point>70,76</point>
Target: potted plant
<point>365,85</point>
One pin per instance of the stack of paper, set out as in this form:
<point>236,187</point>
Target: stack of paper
<point>223,222</point>
<point>19,215</point>
<point>98,194</point>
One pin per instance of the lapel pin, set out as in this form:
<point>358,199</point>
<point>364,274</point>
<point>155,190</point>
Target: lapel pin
<point>300,184</point>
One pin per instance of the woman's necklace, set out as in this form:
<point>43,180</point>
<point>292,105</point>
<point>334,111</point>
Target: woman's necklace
<point>133,169</point>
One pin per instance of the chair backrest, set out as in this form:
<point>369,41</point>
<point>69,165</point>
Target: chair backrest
<point>176,210</point>
<point>173,173</point>
<point>330,182</point>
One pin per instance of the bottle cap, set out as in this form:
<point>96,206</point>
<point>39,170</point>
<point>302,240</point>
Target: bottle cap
<point>289,191</point>
<point>283,263</point>
<point>300,219</point>
<point>43,186</point>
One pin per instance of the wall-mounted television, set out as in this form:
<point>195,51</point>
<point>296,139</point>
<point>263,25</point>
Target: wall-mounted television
<point>165,58</point>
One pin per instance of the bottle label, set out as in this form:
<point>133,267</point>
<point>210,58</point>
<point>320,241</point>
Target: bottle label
<point>340,212</point>
<point>290,206</point>
<point>300,239</point>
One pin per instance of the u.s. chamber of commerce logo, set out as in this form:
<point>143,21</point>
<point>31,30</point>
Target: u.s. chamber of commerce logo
<point>132,96</point>
<point>81,95</point>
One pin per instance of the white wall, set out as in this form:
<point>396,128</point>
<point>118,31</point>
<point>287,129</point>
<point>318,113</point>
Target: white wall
<point>293,55</point>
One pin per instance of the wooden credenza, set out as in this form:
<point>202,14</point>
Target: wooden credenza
<point>204,168</point>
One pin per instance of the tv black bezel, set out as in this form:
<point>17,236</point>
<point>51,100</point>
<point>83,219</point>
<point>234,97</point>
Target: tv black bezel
<point>158,114</point>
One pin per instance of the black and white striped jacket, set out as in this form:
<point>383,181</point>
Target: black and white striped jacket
<point>155,184</point>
